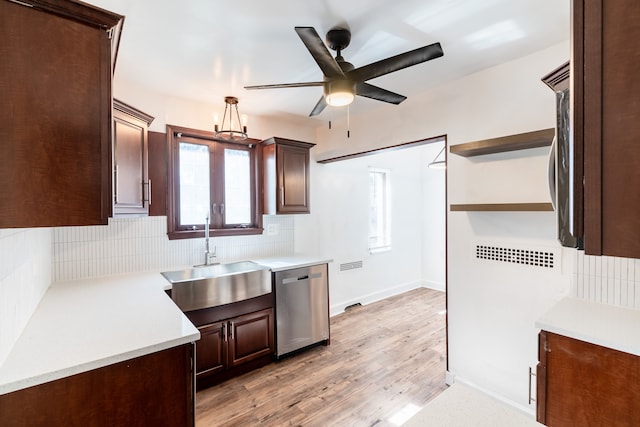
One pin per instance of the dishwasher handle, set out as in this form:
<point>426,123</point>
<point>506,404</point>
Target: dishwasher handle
<point>301,278</point>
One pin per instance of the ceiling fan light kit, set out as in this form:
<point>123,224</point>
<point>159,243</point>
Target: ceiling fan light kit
<point>339,93</point>
<point>341,80</point>
<point>229,133</point>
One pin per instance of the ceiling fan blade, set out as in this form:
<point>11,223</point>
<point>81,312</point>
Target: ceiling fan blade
<point>319,51</point>
<point>284,85</point>
<point>395,63</point>
<point>374,92</point>
<point>321,105</point>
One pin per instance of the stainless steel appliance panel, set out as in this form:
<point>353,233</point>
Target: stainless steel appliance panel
<point>564,173</point>
<point>562,169</point>
<point>302,308</point>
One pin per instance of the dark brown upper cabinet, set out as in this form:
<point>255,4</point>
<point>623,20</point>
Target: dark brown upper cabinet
<point>55,114</point>
<point>286,176</point>
<point>131,183</point>
<point>605,60</point>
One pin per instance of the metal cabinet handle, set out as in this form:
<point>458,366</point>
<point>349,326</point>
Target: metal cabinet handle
<point>281,195</point>
<point>531,374</point>
<point>231,327</point>
<point>115,190</point>
<point>224,332</point>
<point>551,173</point>
<point>221,208</point>
<point>148,199</point>
<point>301,278</point>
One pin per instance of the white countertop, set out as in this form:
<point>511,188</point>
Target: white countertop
<point>606,325</point>
<point>289,262</point>
<point>87,324</point>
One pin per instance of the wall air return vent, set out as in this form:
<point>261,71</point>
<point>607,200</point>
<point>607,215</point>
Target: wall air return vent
<point>347,266</point>
<point>531,257</point>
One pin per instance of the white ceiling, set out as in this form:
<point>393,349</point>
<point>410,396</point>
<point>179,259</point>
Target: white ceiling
<point>207,49</point>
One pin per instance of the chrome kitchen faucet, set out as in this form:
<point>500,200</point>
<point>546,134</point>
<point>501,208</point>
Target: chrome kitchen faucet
<point>208,255</point>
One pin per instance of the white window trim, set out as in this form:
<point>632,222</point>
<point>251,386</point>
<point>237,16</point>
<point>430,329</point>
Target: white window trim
<point>387,247</point>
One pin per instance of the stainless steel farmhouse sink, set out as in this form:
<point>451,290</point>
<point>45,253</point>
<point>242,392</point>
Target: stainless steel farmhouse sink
<point>213,285</point>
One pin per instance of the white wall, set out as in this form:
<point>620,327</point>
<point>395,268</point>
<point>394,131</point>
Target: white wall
<point>434,221</point>
<point>338,225</point>
<point>492,306</point>
<point>25,275</point>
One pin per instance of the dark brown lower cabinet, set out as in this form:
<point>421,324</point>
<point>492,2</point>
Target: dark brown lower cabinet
<point>233,342</point>
<point>211,350</point>
<point>250,337</point>
<point>234,339</point>
<point>152,390</point>
<point>584,384</point>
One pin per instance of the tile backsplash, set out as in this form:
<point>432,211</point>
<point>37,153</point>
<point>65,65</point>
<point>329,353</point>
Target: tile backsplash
<point>140,244</point>
<point>25,275</point>
<point>608,280</point>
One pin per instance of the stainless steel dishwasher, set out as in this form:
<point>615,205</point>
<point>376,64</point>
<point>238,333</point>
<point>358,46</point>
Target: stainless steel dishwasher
<point>302,308</point>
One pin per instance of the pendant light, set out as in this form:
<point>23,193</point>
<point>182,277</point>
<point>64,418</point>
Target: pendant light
<point>228,132</point>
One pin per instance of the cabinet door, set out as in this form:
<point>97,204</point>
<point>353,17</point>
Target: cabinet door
<point>211,349</point>
<point>586,384</point>
<point>55,114</point>
<point>151,390</point>
<point>607,118</point>
<point>129,166</point>
<point>131,187</point>
<point>293,179</point>
<point>250,336</point>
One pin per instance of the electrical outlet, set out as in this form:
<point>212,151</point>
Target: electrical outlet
<point>273,229</point>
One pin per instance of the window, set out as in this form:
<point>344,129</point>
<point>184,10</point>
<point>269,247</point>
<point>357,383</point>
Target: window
<point>379,210</point>
<point>215,178</point>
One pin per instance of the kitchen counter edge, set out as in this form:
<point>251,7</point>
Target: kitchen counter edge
<point>291,262</point>
<point>83,325</point>
<point>606,325</point>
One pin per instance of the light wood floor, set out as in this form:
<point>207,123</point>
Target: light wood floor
<point>382,357</point>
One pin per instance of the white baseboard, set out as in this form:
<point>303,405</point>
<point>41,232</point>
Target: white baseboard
<point>339,307</point>
<point>438,286</point>
<point>528,411</point>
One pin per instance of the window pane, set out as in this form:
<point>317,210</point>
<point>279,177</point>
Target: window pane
<point>237,186</point>
<point>194,183</point>
<point>379,224</point>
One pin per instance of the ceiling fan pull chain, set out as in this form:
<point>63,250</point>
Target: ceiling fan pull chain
<point>329,124</point>
<point>348,122</point>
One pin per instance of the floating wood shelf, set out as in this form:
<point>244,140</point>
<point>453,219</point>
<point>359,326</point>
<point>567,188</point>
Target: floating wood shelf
<point>521,141</point>
<point>504,207</point>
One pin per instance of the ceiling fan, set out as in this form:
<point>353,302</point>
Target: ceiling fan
<point>341,80</point>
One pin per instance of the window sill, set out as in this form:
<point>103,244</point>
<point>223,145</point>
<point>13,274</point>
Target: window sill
<point>220,232</point>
